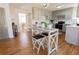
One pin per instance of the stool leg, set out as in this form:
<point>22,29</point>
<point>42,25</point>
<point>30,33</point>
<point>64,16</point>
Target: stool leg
<point>38,49</point>
<point>42,44</point>
<point>34,45</point>
<point>43,47</point>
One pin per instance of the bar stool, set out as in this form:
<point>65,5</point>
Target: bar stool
<point>46,40</point>
<point>38,41</point>
<point>53,42</point>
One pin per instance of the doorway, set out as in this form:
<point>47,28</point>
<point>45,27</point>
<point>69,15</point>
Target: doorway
<point>22,22</point>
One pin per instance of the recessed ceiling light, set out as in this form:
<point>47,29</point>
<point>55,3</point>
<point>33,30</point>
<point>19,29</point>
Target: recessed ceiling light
<point>59,6</point>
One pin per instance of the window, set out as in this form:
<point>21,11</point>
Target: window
<point>22,18</point>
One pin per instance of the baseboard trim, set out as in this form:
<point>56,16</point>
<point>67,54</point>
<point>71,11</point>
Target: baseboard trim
<point>6,38</point>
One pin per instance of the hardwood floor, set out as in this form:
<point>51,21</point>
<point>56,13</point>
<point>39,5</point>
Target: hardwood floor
<point>22,45</point>
<point>65,48</point>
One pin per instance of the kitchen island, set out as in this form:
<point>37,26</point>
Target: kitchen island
<point>72,35</point>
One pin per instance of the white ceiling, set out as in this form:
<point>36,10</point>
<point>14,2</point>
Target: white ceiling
<point>51,6</point>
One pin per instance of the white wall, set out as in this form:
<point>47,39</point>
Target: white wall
<point>7,20</point>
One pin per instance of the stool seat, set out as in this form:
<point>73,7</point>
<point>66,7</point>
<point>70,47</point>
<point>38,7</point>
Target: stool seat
<point>38,36</point>
<point>45,33</point>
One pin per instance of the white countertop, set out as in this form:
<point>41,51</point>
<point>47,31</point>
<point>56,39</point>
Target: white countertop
<point>74,26</point>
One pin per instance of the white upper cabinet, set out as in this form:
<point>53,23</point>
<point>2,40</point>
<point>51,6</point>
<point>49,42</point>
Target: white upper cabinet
<point>41,14</point>
<point>35,13</point>
<point>78,11</point>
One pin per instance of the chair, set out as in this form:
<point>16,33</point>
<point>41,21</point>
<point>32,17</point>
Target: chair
<point>51,40</point>
<point>46,40</point>
<point>37,40</point>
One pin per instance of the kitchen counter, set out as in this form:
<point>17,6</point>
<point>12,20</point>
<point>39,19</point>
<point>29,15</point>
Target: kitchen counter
<point>73,26</point>
<point>72,35</point>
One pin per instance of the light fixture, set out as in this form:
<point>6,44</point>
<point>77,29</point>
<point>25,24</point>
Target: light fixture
<point>44,5</point>
<point>59,6</point>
